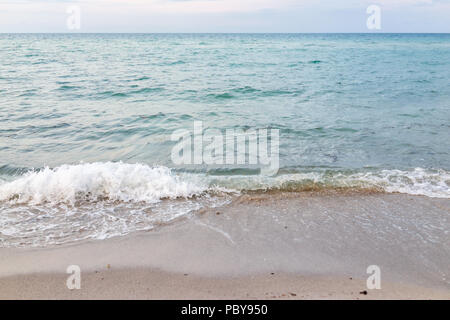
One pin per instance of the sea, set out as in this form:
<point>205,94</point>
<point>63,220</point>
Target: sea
<point>89,123</point>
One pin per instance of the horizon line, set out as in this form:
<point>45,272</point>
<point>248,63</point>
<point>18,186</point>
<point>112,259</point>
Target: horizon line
<point>365,33</point>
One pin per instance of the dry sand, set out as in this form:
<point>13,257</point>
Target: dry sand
<point>154,284</point>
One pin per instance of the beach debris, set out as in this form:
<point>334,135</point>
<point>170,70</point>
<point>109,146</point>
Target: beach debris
<point>293,294</point>
<point>108,266</point>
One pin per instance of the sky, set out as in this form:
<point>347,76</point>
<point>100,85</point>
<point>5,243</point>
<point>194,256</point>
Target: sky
<point>222,16</point>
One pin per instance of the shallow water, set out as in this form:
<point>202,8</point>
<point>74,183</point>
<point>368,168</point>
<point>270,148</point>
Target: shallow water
<point>365,111</point>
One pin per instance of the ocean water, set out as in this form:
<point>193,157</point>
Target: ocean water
<point>86,122</point>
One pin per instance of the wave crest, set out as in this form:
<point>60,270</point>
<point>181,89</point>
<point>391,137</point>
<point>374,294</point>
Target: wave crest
<point>419,181</point>
<point>123,182</point>
<point>99,181</point>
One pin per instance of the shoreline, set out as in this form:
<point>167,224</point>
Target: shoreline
<point>313,245</point>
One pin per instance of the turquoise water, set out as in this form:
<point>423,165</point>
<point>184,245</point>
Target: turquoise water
<point>340,101</point>
<point>352,109</point>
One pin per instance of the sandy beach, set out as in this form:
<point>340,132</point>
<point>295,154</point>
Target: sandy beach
<point>155,284</point>
<point>261,246</point>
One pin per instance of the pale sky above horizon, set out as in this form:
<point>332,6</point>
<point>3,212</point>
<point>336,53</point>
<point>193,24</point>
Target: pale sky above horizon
<point>224,15</point>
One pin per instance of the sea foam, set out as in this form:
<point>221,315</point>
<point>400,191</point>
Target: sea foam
<point>98,181</point>
<point>101,200</point>
<point>125,182</point>
<point>418,181</point>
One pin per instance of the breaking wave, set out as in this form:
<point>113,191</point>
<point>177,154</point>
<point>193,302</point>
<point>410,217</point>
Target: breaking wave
<point>71,184</point>
<point>99,181</point>
<point>430,183</point>
<point>102,200</point>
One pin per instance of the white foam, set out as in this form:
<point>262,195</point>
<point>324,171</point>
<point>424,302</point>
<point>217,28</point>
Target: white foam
<point>101,200</point>
<point>112,181</point>
<point>430,183</point>
<point>142,183</point>
<point>419,181</point>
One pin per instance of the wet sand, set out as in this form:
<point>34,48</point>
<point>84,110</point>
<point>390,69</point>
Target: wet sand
<point>263,246</point>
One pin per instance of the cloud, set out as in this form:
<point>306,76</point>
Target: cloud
<point>224,15</point>
<point>201,6</point>
<point>222,6</point>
